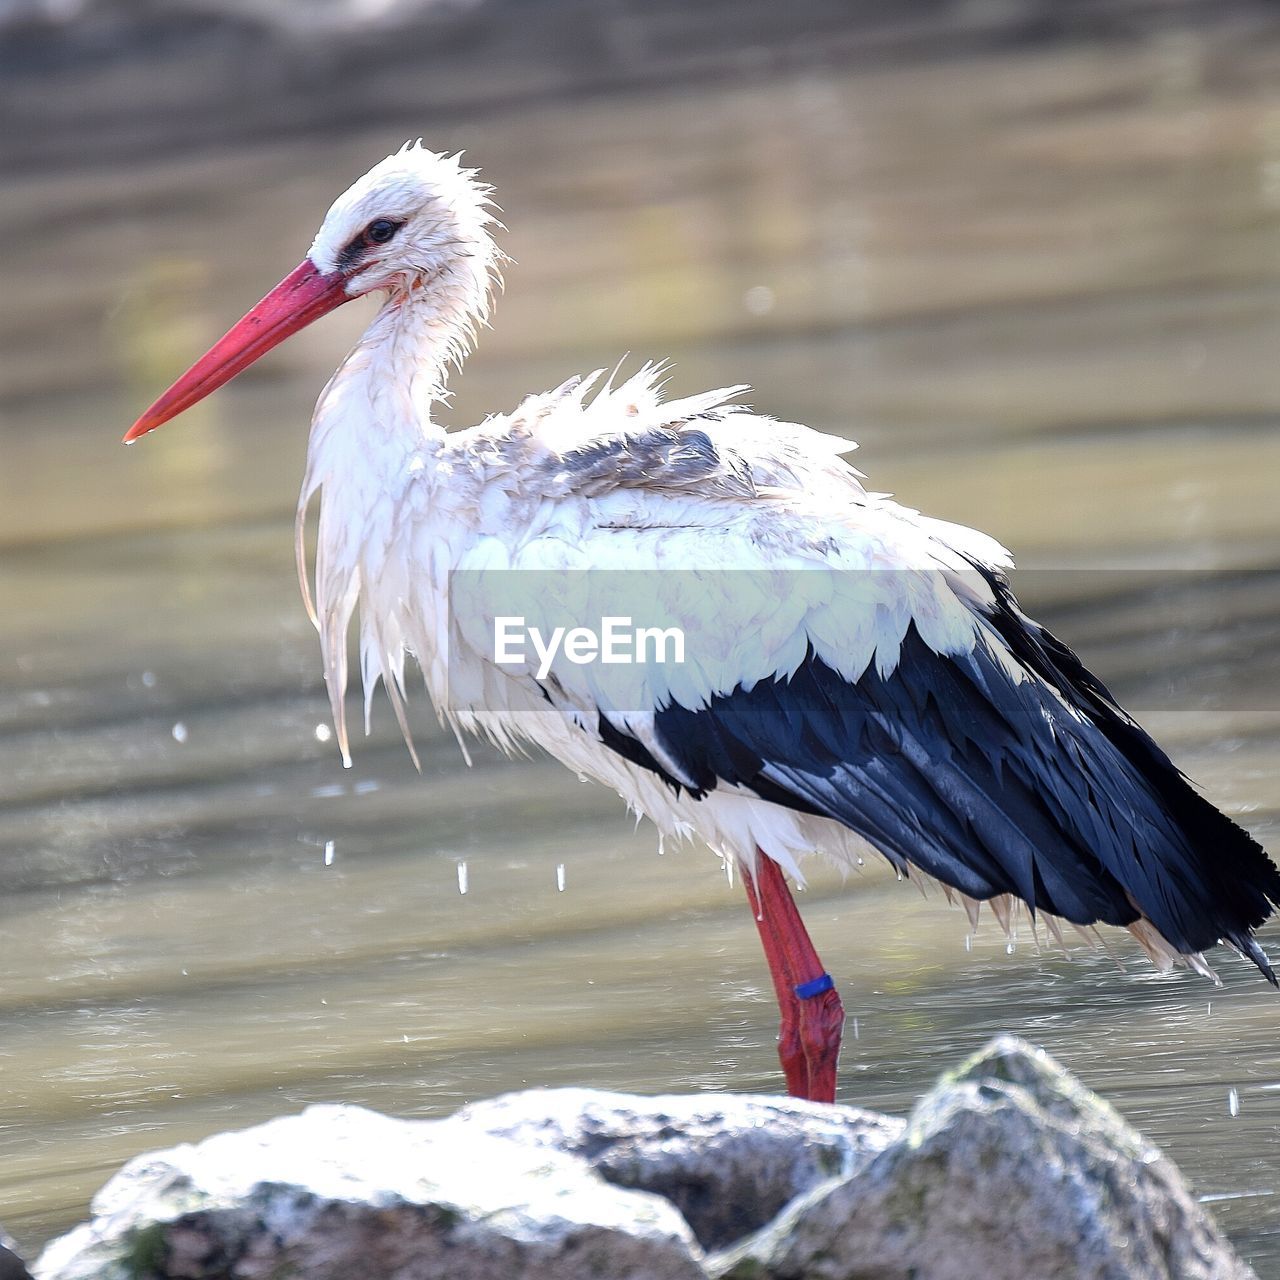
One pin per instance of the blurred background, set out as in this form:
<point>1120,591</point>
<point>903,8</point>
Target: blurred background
<point>1027,252</point>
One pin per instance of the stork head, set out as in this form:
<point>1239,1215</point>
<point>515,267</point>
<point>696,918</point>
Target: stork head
<point>417,224</point>
<point>415,220</point>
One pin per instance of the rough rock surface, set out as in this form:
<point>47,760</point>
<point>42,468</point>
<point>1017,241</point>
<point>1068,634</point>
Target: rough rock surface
<point>728,1162</point>
<point>340,1192</point>
<point>1008,1168</point>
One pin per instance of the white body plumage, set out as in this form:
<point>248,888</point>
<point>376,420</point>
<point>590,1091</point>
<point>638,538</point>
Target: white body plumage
<point>770,500</point>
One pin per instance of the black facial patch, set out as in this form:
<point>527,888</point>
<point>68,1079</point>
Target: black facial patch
<point>351,255</point>
<point>379,231</point>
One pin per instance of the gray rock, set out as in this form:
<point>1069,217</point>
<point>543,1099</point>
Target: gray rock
<point>340,1192</point>
<point>728,1162</point>
<point>1009,1169</point>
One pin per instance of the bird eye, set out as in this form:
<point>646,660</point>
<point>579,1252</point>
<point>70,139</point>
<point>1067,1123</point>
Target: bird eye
<point>380,230</point>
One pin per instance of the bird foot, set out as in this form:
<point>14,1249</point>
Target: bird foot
<point>809,1044</point>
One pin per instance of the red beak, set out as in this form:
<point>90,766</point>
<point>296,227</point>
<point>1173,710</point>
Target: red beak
<point>302,296</point>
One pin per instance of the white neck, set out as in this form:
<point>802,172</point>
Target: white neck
<point>372,437</point>
<point>389,384</point>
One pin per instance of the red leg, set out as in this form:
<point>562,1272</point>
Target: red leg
<point>812,1015</point>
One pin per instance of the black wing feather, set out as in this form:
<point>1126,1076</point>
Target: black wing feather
<point>1034,784</point>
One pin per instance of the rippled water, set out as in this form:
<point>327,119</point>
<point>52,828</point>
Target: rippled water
<point>1041,287</point>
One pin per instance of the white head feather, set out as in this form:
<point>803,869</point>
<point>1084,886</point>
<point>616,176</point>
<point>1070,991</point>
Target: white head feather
<point>442,249</point>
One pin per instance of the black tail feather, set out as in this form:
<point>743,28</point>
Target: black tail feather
<point>1238,884</point>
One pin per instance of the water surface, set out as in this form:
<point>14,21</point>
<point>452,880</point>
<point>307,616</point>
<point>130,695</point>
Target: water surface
<point>1041,287</point>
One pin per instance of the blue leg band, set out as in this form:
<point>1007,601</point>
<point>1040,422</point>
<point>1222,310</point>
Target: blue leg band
<point>816,987</point>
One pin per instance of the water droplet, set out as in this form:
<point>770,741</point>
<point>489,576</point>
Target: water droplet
<point>328,853</point>
<point>462,877</point>
<point>179,732</point>
<point>758,300</point>
<point>323,733</point>
<point>1233,1101</point>
<point>560,876</point>
<point>1010,947</point>
<point>1208,1009</point>
<point>855,1029</point>
<point>968,942</point>
<point>148,679</point>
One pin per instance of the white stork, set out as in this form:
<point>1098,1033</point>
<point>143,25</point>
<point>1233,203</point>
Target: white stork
<point>870,681</point>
